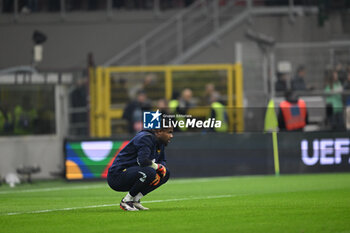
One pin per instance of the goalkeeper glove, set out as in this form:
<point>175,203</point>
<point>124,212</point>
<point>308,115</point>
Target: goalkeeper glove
<point>161,170</point>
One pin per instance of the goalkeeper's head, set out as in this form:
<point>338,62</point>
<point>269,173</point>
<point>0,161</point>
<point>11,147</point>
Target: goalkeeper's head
<point>164,135</point>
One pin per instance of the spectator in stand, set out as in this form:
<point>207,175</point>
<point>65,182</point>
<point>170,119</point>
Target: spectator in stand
<point>186,100</point>
<point>347,81</point>
<point>347,99</point>
<point>6,119</point>
<point>292,114</point>
<point>340,69</point>
<point>210,93</point>
<point>133,111</point>
<point>218,112</point>
<point>148,86</point>
<point>162,105</point>
<point>281,83</point>
<point>181,106</point>
<point>25,117</point>
<point>334,101</point>
<point>298,83</point>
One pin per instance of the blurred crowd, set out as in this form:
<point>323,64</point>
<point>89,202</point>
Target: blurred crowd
<point>180,105</point>
<point>336,92</point>
<point>25,119</point>
<point>201,100</point>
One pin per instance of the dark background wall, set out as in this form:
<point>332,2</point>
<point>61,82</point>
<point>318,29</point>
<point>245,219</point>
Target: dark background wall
<point>252,153</point>
<point>70,41</point>
<point>220,155</point>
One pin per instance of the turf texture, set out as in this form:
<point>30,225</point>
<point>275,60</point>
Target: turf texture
<point>288,203</point>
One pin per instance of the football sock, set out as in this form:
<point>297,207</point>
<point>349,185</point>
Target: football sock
<point>128,197</point>
<point>138,197</point>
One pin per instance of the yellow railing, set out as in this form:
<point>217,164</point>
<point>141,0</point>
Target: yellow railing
<point>101,112</point>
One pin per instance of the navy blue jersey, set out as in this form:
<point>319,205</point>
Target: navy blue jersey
<point>142,150</point>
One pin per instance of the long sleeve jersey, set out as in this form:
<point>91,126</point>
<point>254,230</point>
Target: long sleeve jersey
<point>142,150</point>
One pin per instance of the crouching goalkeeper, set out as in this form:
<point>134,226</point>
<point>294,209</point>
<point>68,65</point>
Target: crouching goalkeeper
<point>140,167</point>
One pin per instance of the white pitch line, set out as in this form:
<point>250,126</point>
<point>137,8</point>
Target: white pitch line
<point>108,205</point>
<point>54,189</point>
<point>199,180</point>
<point>174,181</point>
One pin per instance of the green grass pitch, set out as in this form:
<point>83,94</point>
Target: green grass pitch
<point>289,203</point>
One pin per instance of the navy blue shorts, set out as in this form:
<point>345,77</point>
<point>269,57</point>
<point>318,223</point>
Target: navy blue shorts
<point>135,179</point>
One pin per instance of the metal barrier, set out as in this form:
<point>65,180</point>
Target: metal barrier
<point>175,36</point>
<point>105,106</point>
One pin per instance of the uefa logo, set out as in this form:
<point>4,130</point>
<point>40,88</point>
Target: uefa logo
<point>151,120</point>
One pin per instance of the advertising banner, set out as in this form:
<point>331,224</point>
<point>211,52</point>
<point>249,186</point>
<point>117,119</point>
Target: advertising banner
<point>90,159</point>
<point>314,152</point>
<point>212,154</point>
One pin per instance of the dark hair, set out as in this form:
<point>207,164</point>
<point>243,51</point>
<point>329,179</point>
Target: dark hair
<point>290,95</point>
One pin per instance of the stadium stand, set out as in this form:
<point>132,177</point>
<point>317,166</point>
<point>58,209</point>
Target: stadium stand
<point>175,32</point>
